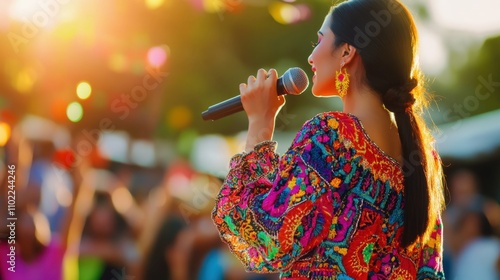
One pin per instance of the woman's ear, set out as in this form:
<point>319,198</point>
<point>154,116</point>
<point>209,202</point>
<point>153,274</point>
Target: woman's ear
<point>348,53</point>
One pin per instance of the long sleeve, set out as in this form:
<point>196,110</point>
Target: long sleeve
<point>272,210</point>
<point>431,258</point>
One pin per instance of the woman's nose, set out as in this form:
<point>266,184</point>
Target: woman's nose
<point>309,59</point>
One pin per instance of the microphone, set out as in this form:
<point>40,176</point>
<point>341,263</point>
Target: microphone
<point>294,81</point>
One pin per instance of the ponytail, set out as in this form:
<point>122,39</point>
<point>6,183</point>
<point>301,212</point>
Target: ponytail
<point>400,101</point>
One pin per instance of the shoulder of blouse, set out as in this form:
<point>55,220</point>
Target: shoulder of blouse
<point>321,123</point>
<point>329,119</point>
<point>324,123</point>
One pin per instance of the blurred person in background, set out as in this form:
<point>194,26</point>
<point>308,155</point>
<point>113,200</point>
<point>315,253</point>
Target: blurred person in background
<point>49,185</point>
<point>465,198</point>
<point>476,247</point>
<point>40,253</point>
<point>106,248</point>
<point>163,261</point>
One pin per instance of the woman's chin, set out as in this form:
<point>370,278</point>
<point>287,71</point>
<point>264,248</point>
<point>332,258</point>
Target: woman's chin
<point>318,93</point>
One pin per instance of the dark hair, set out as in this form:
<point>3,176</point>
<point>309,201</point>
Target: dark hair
<point>156,266</point>
<point>103,199</point>
<point>384,34</point>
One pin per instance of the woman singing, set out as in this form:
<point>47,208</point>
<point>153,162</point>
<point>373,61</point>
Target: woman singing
<point>359,194</point>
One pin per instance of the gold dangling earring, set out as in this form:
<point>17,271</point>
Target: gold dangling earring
<point>342,81</point>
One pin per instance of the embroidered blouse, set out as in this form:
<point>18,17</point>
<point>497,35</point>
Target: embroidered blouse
<point>330,208</point>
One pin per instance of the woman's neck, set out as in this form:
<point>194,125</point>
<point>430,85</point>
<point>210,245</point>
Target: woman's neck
<point>377,121</point>
<point>364,103</point>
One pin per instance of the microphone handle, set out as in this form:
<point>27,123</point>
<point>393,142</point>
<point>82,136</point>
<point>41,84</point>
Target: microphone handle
<point>233,105</point>
<point>222,109</point>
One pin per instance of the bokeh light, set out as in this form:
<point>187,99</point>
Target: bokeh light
<point>284,13</point>
<point>83,90</point>
<point>179,117</point>
<point>74,111</point>
<point>117,62</point>
<point>214,6</point>
<point>24,80</point>
<point>197,4</point>
<point>142,153</point>
<point>154,4</point>
<point>217,6</point>
<point>158,55</point>
<point>4,133</point>
<point>214,147</point>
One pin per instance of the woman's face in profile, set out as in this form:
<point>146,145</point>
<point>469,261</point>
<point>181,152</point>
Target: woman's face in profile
<point>325,60</point>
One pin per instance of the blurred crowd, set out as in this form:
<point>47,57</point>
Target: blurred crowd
<point>90,218</point>
<point>471,230</point>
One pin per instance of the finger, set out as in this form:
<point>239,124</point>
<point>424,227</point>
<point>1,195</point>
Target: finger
<point>251,79</point>
<point>243,86</point>
<point>272,74</point>
<point>261,75</point>
<point>244,90</point>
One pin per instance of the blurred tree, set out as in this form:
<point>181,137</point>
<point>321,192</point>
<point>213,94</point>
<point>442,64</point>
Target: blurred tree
<point>475,85</point>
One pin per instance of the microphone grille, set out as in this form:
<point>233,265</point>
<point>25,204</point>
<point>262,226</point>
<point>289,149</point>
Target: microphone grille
<point>295,81</point>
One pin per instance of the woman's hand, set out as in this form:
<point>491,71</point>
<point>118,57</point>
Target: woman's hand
<point>259,96</point>
<point>262,104</point>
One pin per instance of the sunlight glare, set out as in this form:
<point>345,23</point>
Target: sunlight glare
<point>23,9</point>
<point>433,54</point>
<point>480,16</point>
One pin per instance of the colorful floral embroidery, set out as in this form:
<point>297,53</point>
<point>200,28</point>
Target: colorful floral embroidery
<point>330,208</point>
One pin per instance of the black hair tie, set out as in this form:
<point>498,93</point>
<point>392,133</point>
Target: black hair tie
<point>400,99</point>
